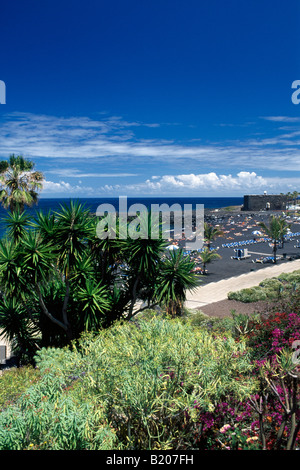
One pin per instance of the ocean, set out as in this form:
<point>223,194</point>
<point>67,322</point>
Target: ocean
<point>53,204</point>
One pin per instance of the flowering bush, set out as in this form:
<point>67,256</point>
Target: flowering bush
<point>271,342</point>
<point>271,335</point>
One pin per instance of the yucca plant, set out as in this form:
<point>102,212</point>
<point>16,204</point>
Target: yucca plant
<point>67,232</point>
<point>16,224</point>
<point>142,255</point>
<point>94,303</point>
<point>45,224</point>
<point>37,258</point>
<point>19,328</point>
<point>73,229</point>
<point>11,280</point>
<point>175,278</point>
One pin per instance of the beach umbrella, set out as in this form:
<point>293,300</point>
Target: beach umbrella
<point>256,232</point>
<point>172,247</point>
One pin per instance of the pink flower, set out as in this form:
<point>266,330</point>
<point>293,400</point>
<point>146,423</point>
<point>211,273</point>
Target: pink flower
<point>225,428</point>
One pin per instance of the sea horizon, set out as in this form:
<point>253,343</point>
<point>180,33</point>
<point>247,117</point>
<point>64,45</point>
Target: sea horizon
<point>216,202</point>
<point>54,204</point>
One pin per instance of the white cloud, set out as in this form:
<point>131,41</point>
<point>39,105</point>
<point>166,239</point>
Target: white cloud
<point>207,182</point>
<point>50,187</point>
<point>212,181</point>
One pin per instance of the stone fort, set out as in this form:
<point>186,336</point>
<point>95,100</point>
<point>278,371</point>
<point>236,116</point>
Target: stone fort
<point>263,202</point>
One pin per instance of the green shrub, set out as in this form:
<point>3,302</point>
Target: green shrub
<point>268,289</point>
<point>137,385</point>
<point>271,284</point>
<point>14,381</point>
<point>249,294</point>
<point>200,320</point>
<point>147,375</point>
<point>290,277</point>
<point>47,417</point>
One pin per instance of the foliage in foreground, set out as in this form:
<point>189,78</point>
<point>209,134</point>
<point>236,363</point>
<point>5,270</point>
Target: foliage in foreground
<point>136,385</point>
<point>156,383</point>
<point>14,381</point>
<point>47,417</point>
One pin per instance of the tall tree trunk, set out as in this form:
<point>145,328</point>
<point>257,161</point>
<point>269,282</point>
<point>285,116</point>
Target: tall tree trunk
<point>62,325</point>
<point>64,310</point>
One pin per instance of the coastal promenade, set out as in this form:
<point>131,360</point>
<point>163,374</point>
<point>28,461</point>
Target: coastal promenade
<point>216,291</point>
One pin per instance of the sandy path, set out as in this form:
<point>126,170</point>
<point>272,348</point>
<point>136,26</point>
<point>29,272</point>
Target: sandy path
<point>217,291</point>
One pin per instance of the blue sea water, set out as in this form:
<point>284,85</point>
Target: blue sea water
<point>52,204</point>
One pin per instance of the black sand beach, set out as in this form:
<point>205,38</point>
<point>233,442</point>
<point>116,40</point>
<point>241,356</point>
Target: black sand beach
<point>238,226</point>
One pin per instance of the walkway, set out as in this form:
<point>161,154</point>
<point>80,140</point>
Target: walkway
<point>216,291</point>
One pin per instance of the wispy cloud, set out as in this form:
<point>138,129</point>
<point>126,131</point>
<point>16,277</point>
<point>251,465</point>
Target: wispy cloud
<point>110,144</point>
<point>281,118</point>
<point>112,138</point>
<point>75,173</point>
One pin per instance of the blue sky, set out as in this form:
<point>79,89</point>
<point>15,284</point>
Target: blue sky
<point>153,97</point>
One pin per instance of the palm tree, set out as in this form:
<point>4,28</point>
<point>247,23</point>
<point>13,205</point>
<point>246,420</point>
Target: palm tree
<point>285,227</point>
<point>175,277</point>
<point>49,252</point>
<point>276,230</point>
<point>288,198</point>
<point>211,233</point>
<point>207,256</point>
<point>20,183</point>
<point>69,233</point>
<point>295,196</point>
<point>142,255</point>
